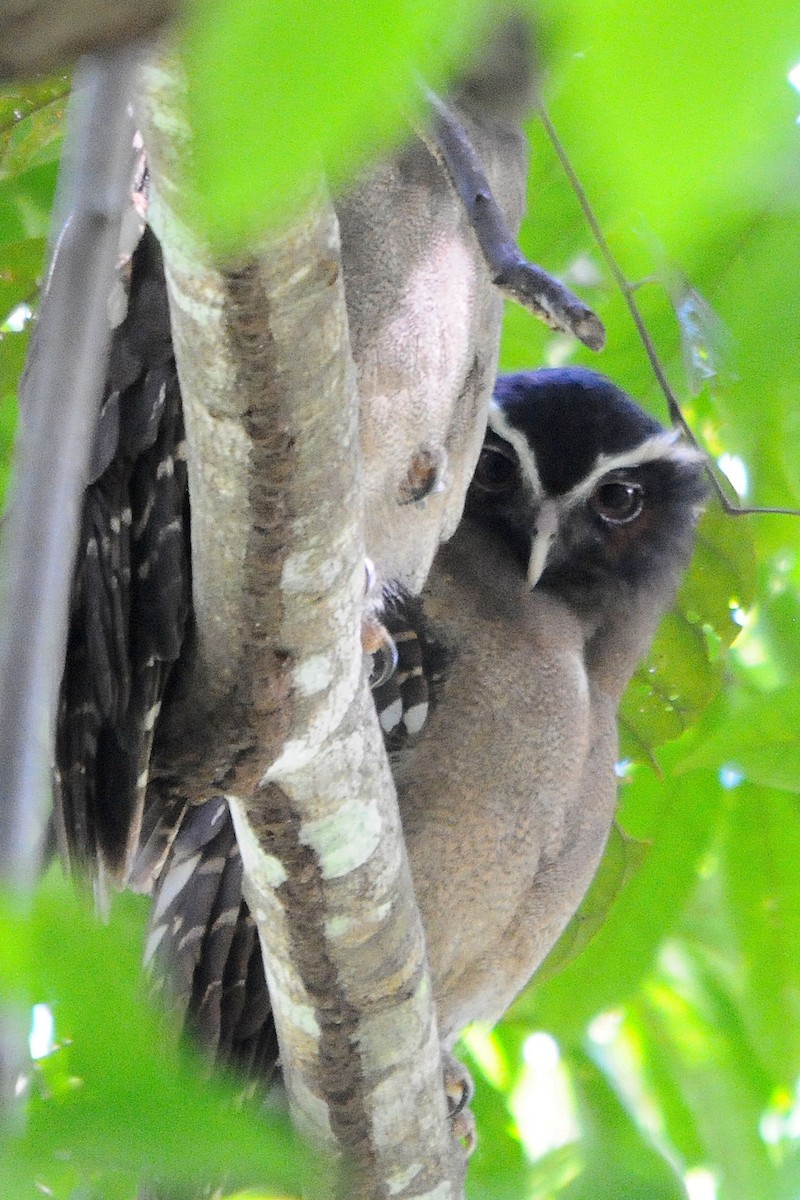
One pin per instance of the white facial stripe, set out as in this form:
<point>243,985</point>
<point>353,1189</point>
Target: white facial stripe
<point>518,441</point>
<point>665,446</point>
<point>545,535</point>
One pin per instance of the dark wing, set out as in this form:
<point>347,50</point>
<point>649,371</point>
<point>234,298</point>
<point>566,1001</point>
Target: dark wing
<point>131,601</point>
<point>203,946</point>
<point>131,589</point>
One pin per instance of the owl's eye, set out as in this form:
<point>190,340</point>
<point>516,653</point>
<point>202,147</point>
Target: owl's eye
<point>496,471</point>
<point>617,501</point>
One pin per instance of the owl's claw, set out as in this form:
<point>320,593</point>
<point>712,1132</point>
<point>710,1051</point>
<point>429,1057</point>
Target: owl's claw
<point>462,1127</point>
<point>459,1090</point>
<point>379,644</point>
<point>376,641</point>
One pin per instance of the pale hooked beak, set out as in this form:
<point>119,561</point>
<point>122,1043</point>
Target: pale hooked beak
<point>544,534</point>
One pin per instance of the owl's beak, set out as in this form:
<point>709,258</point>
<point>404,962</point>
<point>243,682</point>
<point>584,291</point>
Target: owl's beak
<point>544,534</point>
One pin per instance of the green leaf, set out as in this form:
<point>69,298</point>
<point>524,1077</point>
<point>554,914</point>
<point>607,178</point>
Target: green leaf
<point>759,853</point>
<point>723,573</point>
<point>695,1027</point>
<point>21,267</point>
<point>662,1086</point>
<point>619,1160</point>
<point>25,202</point>
<point>707,81</point>
<point>789,1176</point>
<point>758,737</point>
<point>668,691</point>
<point>32,124</point>
<point>12,356</point>
<point>776,627</point>
<point>19,105</point>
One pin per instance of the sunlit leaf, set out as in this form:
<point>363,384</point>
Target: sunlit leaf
<point>662,1085</point>
<point>618,1158</point>
<point>759,738</point>
<point>697,1032</point>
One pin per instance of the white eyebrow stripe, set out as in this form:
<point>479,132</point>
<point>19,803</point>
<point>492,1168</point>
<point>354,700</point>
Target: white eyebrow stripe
<point>518,442</point>
<point>665,445</point>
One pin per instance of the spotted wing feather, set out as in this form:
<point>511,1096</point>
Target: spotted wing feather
<point>125,632</point>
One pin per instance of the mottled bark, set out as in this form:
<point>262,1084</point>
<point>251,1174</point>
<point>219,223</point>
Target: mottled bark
<point>278,561</point>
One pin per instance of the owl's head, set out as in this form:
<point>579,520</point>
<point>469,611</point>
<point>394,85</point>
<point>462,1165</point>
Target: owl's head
<point>596,500</point>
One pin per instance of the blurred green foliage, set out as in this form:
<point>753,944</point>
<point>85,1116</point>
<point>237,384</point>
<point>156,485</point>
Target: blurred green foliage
<point>674,999</point>
<point>116,1099</point>
<point>322,89</point>
<point>31,126</point>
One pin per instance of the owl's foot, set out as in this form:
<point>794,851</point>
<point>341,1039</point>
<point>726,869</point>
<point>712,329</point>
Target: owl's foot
<point>459,1090</point>
<point>376,641</point>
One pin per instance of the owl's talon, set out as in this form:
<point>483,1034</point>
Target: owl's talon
<point>379,644</point>
<point>462,1127</point>
<point>459,1090</point>
<point>458,1086</point>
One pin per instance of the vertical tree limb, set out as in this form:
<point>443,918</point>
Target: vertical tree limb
<point>60,400</point>
<point>289,728</point>
<point>61,395</point>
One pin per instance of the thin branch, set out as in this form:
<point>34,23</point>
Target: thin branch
<point>516,277</point>
<point>61,394</point>
<point>627,289</point>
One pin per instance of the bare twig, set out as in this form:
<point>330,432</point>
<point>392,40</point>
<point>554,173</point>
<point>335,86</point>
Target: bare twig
<point>61,393</point>
<point>627,289</point>
<point>518,279</point>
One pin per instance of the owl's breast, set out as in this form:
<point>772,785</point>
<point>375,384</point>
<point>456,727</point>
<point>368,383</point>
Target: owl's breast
<point>507,799</point>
